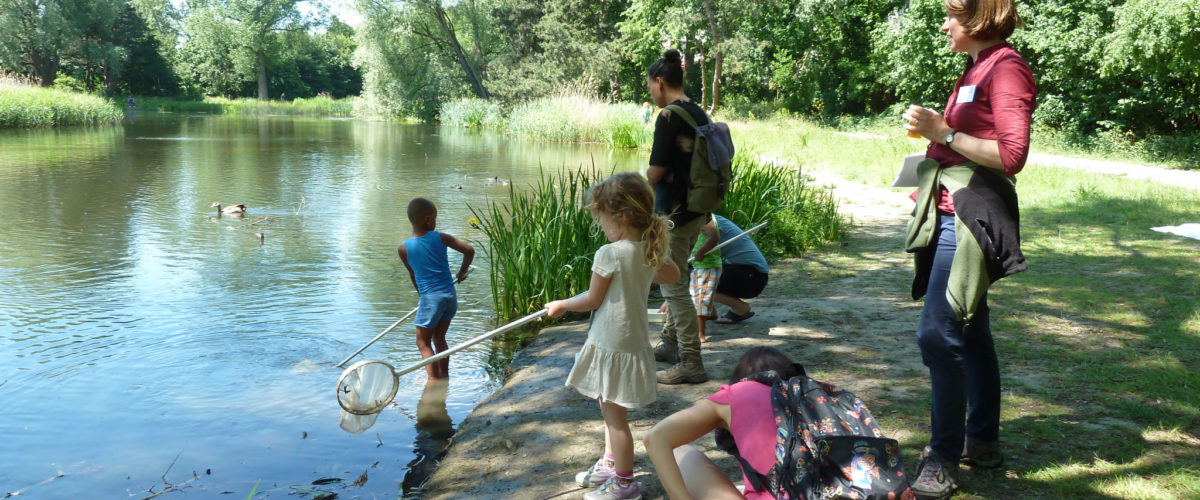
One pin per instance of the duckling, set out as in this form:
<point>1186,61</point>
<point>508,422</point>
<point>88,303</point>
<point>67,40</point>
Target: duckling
<point>261,237</point>
<point>456,186</point>
<point>230,210</point>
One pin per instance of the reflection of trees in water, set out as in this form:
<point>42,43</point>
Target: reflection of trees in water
<point>434,430</point>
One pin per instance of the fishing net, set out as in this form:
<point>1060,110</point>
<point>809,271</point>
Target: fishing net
<point>356,424</point>
<point>366,387</point>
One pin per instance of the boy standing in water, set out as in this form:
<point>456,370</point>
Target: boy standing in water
<point>425,257</point>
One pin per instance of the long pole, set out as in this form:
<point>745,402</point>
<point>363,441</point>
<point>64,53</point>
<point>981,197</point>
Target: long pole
<point>377,337</point>
<point>730,240</point>
<point>388,329</point>
<point>527,319</point>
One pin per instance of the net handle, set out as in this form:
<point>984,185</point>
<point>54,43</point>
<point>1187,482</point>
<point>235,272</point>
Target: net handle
<point>527,319</point>
<point>390,328</point>
<point>377,337</point>
<point>731,240</point>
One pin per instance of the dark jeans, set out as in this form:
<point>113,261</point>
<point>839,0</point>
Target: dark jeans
<point>961,358</point>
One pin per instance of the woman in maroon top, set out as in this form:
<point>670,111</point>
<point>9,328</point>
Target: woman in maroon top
<point>986,122</point>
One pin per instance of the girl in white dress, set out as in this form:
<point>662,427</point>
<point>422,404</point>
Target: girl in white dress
<point>616,364</point>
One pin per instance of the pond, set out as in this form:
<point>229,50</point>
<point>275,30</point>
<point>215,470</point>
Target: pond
<point>146,342</point>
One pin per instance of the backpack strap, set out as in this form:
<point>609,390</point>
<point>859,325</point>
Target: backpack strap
<point>687,117</point>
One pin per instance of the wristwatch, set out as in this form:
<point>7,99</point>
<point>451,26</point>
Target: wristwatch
<point>950,137</point>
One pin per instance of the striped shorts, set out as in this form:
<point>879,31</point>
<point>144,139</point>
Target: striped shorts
<point>702,283</point>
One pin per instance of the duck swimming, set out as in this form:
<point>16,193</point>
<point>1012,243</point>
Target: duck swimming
<point>230,210</point>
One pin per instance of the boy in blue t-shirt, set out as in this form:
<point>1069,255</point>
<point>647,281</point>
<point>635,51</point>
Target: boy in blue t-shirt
<point>425,257</point>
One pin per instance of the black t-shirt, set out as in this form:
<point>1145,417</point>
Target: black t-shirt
<point>673,139</point>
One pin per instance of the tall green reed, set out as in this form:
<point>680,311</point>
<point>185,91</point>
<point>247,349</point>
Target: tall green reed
<point>802,216</point>
<point>568,117</point>
<point>540,245</point>
<point>23,105</point>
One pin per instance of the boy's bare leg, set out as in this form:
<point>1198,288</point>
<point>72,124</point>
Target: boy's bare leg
<point>424,344</point>
<point>702,320</point>
<point>439,345</point>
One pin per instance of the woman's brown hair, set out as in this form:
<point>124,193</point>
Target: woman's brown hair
<point>986,19</point>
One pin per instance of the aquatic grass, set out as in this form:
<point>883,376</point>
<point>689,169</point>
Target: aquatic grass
<point>23,105</point>
<point>540,244</point>
<point>567,117</point>
<point>471,113</point>
<point>802,215</point>
<point>314,106</point>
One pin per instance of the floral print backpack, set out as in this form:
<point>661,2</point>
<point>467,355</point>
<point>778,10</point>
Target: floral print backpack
<point>828,446</point>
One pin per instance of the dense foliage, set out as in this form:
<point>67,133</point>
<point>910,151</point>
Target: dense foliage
<point>1110,71</point>
<point>234,48</point>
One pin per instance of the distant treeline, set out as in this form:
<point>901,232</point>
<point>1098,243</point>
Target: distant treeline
<point>192,48</point>
<point>1120,69</point>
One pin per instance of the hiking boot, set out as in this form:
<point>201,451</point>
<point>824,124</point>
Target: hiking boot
<point>616,489</point>
<point>665,353</point>
<point>983,454</point>
<point>936,479</point>
<point>597,474</point>
<point>686,372</point>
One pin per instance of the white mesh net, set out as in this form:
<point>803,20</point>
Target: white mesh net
<point>356,424</point>
<point>366,387</point>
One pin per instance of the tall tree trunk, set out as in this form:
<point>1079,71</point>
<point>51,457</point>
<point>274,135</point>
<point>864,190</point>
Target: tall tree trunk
<point>263,91</point>
<point>459,53</point>
<point>690,62</point>
<point>717,57</point>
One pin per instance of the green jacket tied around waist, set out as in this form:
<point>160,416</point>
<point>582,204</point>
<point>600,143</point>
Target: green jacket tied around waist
<point>986,228</point>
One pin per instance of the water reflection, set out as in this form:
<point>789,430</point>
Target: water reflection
<point>434,430</point>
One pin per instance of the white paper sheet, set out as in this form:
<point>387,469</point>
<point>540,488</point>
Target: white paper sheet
<point>908,172</point>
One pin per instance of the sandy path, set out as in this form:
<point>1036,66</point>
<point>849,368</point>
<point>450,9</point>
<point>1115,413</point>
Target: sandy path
<point>844,313</point>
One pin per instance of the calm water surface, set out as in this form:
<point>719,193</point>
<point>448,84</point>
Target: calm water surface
<point>141,336</point>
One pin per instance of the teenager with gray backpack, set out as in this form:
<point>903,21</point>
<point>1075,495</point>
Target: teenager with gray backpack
<point>690,171</point>
<point>794,437</point>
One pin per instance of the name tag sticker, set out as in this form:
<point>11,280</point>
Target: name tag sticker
<point>966,93</point>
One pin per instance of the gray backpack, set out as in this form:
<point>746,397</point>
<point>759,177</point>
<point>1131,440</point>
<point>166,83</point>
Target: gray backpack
<point>712,164</point>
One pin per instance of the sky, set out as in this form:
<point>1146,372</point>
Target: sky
<point>343,9</point>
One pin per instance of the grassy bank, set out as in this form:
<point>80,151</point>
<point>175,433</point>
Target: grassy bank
<point>315,106</point>
<point>546,229</point>
<point>31,106</point>
<point>1180,151</point>
<point>1098,341</point>
<point>562,118</point>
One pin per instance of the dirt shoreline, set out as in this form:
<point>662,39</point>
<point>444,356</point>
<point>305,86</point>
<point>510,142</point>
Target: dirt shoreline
<point>849,320</point>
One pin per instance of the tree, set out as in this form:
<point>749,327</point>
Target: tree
<point>34,34</point>
<point>249,27</point>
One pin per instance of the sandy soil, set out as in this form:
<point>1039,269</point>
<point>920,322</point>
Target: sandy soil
<point>845,314</point>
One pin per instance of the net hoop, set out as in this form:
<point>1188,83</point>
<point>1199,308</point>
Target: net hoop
<point>349,387</point>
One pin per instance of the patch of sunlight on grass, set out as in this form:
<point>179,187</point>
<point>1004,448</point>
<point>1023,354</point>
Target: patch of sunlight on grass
<point>1158,363</point>
<point>1192,324</point>
<point>1028,406</point>
<point>1134,487</point>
